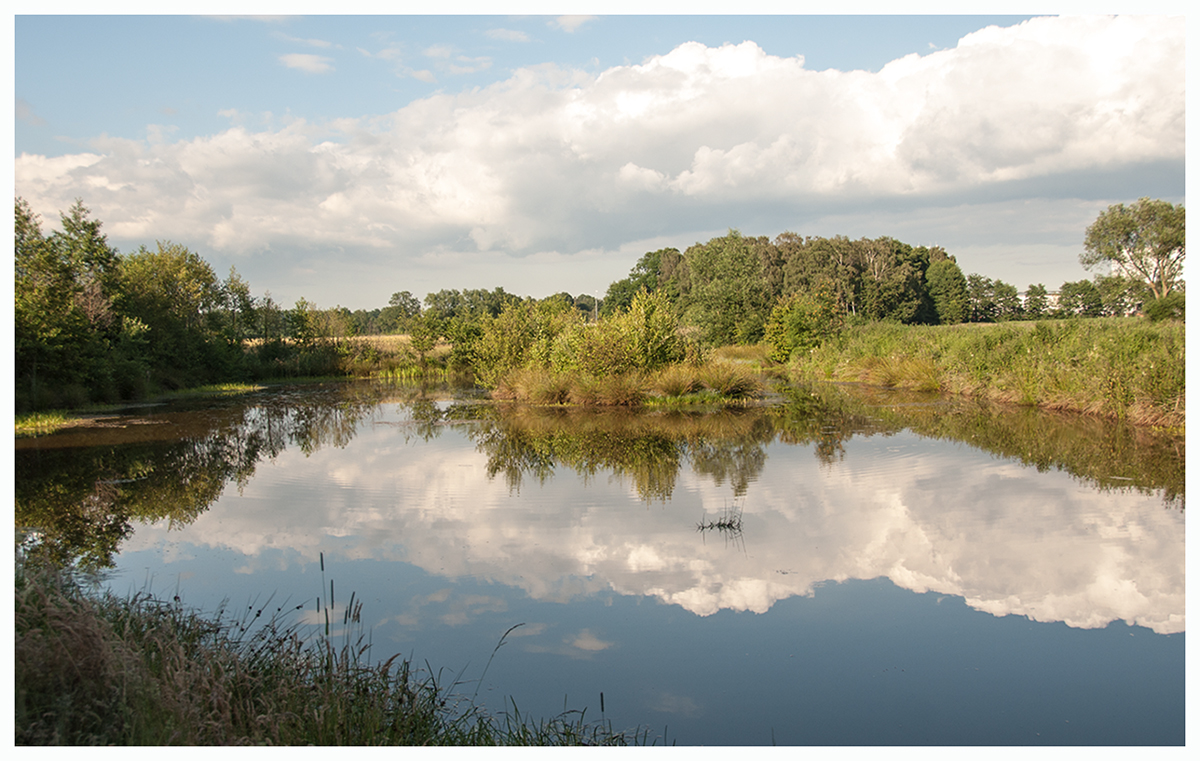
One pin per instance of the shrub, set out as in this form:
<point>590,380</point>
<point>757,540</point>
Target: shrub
<point>524,333</point>
<point>1169,307</point>
<point>801,322</point>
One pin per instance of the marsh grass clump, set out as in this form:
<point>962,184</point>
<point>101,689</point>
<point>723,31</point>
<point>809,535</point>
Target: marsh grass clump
<point>731,380</point>
<point>677,380</point>
<point>94,669</point>
<point>625,390</point>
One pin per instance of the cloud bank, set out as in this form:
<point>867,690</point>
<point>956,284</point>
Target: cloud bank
<point>554,161</point>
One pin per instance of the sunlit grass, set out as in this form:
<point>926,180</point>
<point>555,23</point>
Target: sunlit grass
<point>716,382</point>
<point>41,423</point>
<point>1115,367</point>
<point>214,389</point>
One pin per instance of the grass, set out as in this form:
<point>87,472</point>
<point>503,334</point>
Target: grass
<point>95,669</point>
<point>43,423</point>
<point>1126,368</point>
<point>716,382</point>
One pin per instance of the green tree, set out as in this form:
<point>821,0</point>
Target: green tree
<point>64,324</point>
<point>726,294</point>
<point>1036,302</point>
<point>176,294</point>
<point>1007,301</point>
<point>1145,240</point>
<point>645,275</point>
<point>239,306</point>
<point>981,306</point>
<point>892,276</point>
<point>803,321</point>
<point>424,331</point>
<point>1079,299</point>
<point>1120,295</point>
<point>948,288</point>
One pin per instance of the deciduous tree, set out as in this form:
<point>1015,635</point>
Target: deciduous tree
<point>1145,240</point>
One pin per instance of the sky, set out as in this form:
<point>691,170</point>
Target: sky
<point>344,158</point>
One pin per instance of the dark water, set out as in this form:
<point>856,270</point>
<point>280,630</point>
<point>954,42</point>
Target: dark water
<point>826,569</point>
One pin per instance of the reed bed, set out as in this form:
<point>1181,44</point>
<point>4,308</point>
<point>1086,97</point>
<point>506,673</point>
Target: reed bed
<point>715,382</point>
<point>94,669</point>
<point>1112,367</point>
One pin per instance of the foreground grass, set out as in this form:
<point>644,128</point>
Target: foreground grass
<point>94,669</point>
<point>1125,368</point>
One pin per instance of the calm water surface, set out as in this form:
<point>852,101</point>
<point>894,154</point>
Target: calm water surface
<point>827,569</point>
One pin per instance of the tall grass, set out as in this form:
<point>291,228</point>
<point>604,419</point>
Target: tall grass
<point>716,381</point>
<point>1113,367</point>
<point>95,669</point>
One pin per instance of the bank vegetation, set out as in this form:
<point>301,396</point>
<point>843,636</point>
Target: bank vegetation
<point>95,326</point>
<point>91,668</point>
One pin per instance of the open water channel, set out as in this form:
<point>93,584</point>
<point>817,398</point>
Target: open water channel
<point>832,567</point>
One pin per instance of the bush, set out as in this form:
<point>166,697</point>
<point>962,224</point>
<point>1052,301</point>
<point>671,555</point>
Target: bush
<point>1169,307</point>
<point>644,337</point>
<point>801,322</point>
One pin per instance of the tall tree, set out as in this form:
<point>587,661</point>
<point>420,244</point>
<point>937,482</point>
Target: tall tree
<point>174,292</point>
<point>1145,240</point>
<point>1080,298</point>
<point>727,294</point>
<point>63,315</point>
<point>1007,301</point>
<point>947,287</point>
<point>1036,301</point>
<point>981,306</point>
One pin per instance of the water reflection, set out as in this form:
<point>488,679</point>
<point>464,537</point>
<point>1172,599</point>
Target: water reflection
<point>1034,517</point>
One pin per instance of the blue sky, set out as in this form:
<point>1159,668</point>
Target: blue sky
<point>344,158</point>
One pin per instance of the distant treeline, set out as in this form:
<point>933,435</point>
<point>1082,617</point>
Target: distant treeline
<point>94,325</point>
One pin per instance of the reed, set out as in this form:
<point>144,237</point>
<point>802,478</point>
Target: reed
<point>94,669</point>
<point>677,380</point>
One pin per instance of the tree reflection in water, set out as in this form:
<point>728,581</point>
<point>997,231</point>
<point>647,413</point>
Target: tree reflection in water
<point>78,492</point>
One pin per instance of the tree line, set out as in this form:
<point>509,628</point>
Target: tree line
<point>94,325</point>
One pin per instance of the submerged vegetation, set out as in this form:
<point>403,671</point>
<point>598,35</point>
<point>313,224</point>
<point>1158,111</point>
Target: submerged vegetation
<point>95,669</point>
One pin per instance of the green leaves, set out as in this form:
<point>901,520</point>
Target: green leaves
<point>1145,240</point>
<point>803,322</point>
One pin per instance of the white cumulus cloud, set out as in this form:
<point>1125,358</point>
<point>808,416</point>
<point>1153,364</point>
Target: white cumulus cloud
<point>698,138</point>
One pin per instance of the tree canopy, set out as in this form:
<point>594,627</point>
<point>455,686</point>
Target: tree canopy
<point>1145,240</point>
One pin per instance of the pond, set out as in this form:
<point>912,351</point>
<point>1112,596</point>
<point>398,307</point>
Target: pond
<point>835,566</point>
